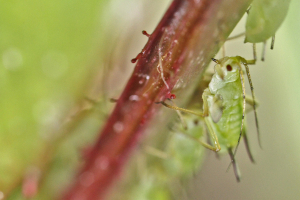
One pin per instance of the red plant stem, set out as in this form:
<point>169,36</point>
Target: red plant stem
<point>189,34</point>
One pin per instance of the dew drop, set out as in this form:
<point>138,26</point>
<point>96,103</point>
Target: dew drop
<point>141,82</point>
<point>134,98</point>
<point>118,127</point>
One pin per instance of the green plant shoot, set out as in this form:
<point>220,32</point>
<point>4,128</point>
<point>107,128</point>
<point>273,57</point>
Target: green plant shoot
<point>224,106</point>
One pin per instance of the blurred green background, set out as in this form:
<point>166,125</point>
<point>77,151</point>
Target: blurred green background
<point>46,49</point>
<point>276,174</point>
<point>61,60</point>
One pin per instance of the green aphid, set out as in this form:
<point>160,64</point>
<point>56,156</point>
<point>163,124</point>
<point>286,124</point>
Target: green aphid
<point>264,19</point>
<point>185,153</point>
<point>224,106</point>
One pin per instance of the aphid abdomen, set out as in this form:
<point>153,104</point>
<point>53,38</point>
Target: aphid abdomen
<point>233,123</point>
<point>228,127</point>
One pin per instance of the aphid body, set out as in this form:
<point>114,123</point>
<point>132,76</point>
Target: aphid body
<point>265,17</point>
<point>224,103</point>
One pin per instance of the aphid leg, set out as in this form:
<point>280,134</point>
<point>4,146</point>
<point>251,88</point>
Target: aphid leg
<point>244,107</point>
<point>264,51</point>
<point>250,102</point>
<point>208,123</point>
<point>247,145</point>
<point>216,146</point>
<point>156,152</point>
<point>250,62</point>
<point>235,167</point>
<point>205,104</point>
<point>254,52</point>
<point>208,140</point>
<point>184,125</point>
<point>181,109</point>
<point>205,144</point>
<point>180,116</point>
<point>254,102</point>
<point>236,36</point>
<point>207,134</point>
<point>273,41</point>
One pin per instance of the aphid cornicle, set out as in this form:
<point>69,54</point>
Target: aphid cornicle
<point>224,106</point>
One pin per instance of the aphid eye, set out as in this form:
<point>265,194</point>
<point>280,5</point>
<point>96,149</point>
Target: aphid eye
<point>229,68</point>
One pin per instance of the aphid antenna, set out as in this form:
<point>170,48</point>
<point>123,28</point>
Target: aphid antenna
<point>215,60</point>
<point>263,51</point>
<point>254,102</point>
<point>236,36</point>
<point>254,52</point>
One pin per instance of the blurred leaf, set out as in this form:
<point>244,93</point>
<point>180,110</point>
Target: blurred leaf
<point>45,50</point>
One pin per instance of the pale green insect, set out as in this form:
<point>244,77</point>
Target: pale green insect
<point>224,106</point>
<point>264,19</point>
<point>162,170</point>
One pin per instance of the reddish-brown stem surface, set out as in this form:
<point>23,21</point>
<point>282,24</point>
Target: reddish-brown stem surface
<point>185,40</point>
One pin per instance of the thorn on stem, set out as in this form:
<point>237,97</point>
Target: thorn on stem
<point>145,33</point>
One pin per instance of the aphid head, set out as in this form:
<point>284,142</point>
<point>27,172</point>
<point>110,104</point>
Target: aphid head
<point>228,68</point>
